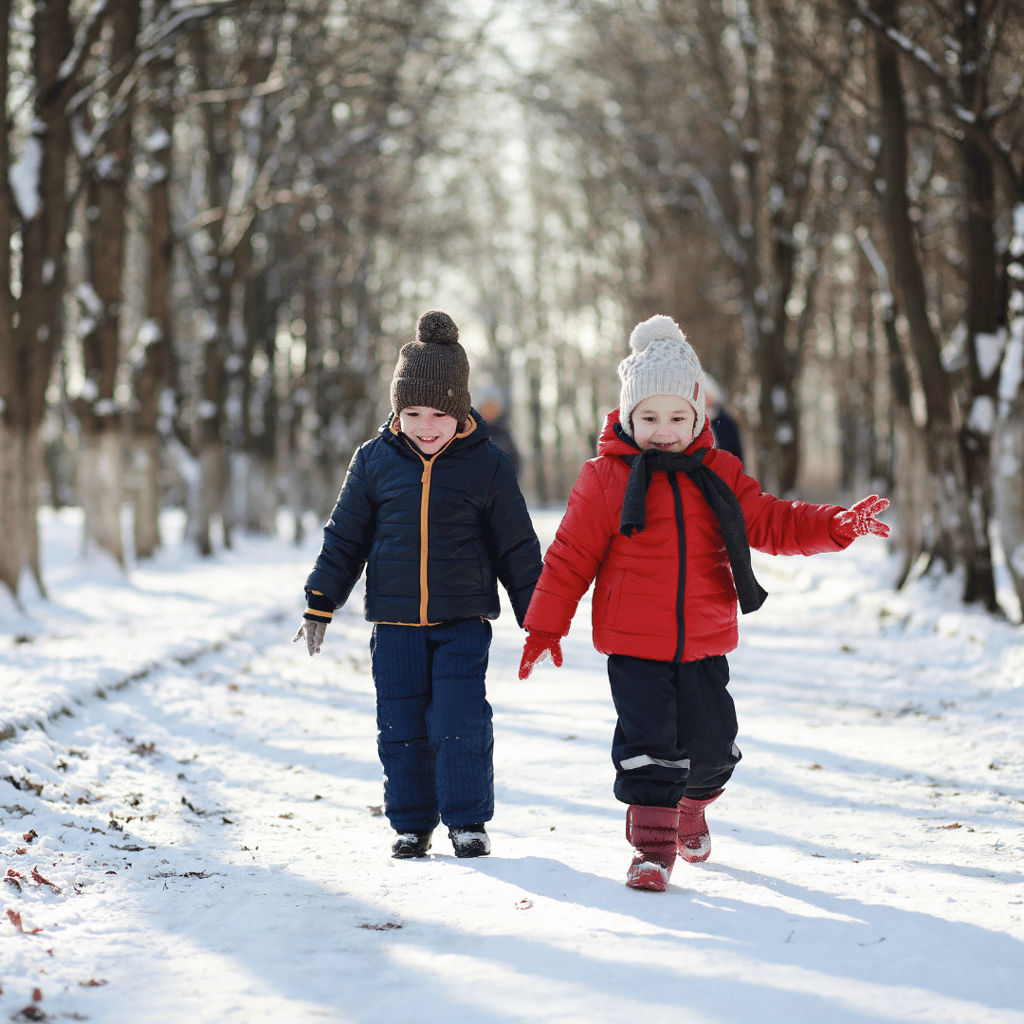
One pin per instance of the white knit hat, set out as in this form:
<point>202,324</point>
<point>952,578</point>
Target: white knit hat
<point>662,362</point>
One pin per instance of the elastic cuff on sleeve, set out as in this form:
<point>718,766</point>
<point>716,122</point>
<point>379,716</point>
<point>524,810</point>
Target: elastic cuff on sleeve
<point>319,607</point>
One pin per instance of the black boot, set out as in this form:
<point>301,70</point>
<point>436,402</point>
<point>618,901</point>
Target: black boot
<point>470,840</point>
<point>411,844</point>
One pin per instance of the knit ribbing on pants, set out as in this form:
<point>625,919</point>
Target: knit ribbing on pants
<point>676,730</point>
<point>434,734</point>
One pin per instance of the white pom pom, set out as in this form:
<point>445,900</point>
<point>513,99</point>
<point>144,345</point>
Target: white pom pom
<point>657,328</point>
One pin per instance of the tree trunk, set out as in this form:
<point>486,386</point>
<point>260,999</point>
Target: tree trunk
<point>154,374</point>
<point>101,344</point>
<point>954,538</point>
<point>101,488</point>
<point>21,465</point>
<point>1008,476</point>
<point>29,354</point>
<point>12,477</point>
<point>210,415</point>
<point>1008,485</point>
<point>13,506</point>
<point>907,472</point>
<point>983,315</point>
<point>911,491</point>
<point>211,492</point>
<point>536,408</point>
<point>146,521</point>
<point>259,311</point>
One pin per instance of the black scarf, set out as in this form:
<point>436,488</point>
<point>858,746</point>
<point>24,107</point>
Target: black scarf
<point>717,493</point>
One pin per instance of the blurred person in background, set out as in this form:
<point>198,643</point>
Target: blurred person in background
<point>723,426</point>
<point>491,404</point>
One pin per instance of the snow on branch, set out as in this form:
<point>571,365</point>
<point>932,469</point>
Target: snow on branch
<point>903,43</point>
<point>90,28</point>
<point>715,216</point>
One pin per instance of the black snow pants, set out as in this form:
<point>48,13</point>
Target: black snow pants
<point>676,733</point>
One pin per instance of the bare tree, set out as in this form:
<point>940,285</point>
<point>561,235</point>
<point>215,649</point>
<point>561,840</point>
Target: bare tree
<point>153,365</point>
<point>102,294</point>
<point>713,121</point>
<point>43,208</point>
<point>962,52</point>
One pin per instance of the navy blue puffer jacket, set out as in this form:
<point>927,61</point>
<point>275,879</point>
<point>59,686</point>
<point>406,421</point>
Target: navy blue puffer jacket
<point>435,534</point>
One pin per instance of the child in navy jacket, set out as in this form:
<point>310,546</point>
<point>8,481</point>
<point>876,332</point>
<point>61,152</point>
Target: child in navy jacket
<point>432,510</point>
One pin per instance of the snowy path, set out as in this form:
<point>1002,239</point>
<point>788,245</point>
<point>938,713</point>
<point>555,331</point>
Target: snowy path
<point>214,825</point>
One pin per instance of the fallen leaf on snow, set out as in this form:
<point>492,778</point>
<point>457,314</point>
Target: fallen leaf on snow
<point>39,880</point>
<point>30,1012</point>
<point>16,921</point>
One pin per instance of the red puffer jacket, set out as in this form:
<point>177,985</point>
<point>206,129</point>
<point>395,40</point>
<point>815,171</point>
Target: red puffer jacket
<point>665,594</point>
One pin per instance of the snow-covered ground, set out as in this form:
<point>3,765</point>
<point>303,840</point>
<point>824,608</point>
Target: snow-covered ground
<point>190,820</point>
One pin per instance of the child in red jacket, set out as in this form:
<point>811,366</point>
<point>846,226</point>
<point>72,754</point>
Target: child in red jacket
<point>665,521</point>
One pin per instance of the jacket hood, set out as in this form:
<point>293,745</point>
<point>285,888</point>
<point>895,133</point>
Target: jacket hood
<point>613,440</point>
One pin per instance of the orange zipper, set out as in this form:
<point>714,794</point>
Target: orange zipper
<point>428,466</point>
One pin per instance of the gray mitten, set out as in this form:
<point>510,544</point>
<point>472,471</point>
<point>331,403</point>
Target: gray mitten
<point>314,633</point>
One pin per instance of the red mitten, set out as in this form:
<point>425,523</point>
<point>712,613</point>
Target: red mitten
<point>860,520</point>
<point>537,647</point>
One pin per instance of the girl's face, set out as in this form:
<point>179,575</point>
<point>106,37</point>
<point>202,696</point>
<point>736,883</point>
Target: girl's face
<point>664,422</point>
<point>429,429</point>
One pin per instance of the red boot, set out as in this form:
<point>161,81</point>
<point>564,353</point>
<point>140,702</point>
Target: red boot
<point>693,837</point>
<point>652,833</point>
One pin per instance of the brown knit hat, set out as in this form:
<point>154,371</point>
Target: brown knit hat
<point>433,370</point>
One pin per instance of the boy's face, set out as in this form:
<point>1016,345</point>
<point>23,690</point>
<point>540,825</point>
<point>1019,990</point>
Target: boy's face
<point>429,429</point>
<point>664,422</point>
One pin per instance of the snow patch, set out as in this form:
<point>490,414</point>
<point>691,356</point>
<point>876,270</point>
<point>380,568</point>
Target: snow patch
<point>158,139</point>
<point>1017,560</point>
<point>1013,368</point>
<point>86,295</point>
<point>982,418</point>
<point>1017,243</point>
<point>149,332</point>
<point>988,349</point>
<point>24,174</point>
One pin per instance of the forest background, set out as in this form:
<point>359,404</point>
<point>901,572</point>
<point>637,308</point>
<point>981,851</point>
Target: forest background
<point>225,218</point>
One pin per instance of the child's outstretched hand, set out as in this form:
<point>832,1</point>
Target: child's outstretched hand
<point>314,634</point>
<point>537,647</point>
<point>860,520</point>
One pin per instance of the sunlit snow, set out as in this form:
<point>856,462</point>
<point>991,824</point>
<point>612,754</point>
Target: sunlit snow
<point>192,827</point>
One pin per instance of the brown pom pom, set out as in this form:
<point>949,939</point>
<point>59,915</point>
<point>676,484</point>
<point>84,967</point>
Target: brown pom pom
<point>437,328</point>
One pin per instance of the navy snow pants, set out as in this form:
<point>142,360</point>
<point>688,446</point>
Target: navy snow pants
<point>676,733</point>
<point>434,733</point>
